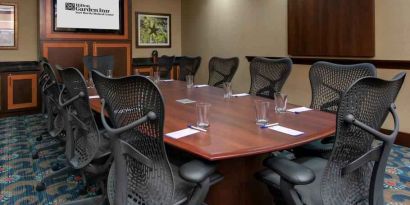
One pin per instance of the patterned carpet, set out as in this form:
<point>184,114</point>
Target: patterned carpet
<point>19,173</point>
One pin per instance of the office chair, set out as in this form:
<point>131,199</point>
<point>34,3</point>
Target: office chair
<point>354,173</point>
<point>141,172</point>
<point>100,63</point>
<point>50,90</point>
<point>188,66</point>
<point>222,70</point>
<point>165,64</point>
<point>85,144</point>
<point>328,82</point>
<point>268,76</point>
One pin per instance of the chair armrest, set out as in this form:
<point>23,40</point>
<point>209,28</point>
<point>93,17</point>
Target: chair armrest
<point>196,171</point>
<point>290,171</point>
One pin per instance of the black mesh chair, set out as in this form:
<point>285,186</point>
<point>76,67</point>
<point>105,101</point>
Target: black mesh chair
<point>354,173</point>
<point>84,143</point>
<point>328,82</point>
<point>100,63</point>
<point>222,70</point>
<point>141,173</point>
<point>50,91</point>
<point>165,64</point>
<point>268,76</point>
<point>188,66</point>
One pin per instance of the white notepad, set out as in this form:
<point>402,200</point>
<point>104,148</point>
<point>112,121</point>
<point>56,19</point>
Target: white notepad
<point>240,95</point>
<point>200,86</point>
<point>299,109</point>
<point>185,101</point>
<point>94,96</point>
<point>286,130</point>
<point>182,133</point>
<point>169,80</point>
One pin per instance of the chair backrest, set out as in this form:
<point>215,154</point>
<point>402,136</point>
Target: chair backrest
<point>84,141</point>
<point>53,90</point>
<point>268,76</point>
<point>165,64</point>
<point>188,66</point>
<point>99,63</point>
<point>127,100</point>
<point>329,81</point>
<point>369,100</point>
<point>222,70</point>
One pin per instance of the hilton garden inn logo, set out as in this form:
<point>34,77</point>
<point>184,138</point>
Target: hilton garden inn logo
<point>86,9</point>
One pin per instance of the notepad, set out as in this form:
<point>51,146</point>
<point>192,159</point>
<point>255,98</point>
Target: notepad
<point>286,130</point>
<point>299,109</point>
<point>182,133</point>
<point>94,96</point>
<point>200,86</point>
<point>169,80</point>
<point>240,95</point>
<point>185,101</point>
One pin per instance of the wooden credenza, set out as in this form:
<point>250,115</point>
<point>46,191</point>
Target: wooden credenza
<point>19,90</point>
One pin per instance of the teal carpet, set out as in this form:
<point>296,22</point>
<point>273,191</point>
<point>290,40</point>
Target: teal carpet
<point>19,173</point>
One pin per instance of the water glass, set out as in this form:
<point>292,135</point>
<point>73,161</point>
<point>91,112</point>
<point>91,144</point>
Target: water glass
<point>202,110</point>
<point>156,77</point>
<point>228,90</point>
<point>261,108</point>
<point>109,73</point>
<point>90,83</point>
<point>189,81</point>
<point>281,101</point>
<point>136,72</point>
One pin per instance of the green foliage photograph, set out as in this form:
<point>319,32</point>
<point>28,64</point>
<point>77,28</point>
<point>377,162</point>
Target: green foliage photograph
<point>153,30</point>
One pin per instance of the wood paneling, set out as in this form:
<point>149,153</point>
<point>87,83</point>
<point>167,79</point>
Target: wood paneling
<point>121,53</point>
<point>21,91</point>
<point>331,28</point>
<point>66,54</point>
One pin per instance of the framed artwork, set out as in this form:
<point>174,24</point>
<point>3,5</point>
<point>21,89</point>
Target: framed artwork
<point>8,26</point>
<point>153,30</point>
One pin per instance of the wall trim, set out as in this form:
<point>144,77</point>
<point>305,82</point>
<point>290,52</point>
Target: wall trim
<point>385,64</point>
<point>17,66</point>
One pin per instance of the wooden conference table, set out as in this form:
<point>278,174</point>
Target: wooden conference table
<point>233,140</point>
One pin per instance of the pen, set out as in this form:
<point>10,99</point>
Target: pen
<point>196,128</point>
<point>269,125</point>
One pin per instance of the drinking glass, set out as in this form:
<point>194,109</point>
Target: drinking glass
<point>109,73</point>
<point>156,77</point>
<point>189,81</point>
<point>281,101</point>
<point>202,110</point>
<point>261,108</point>
<point>228,90</point>
<point>136,72</point>
<point>90,83</point>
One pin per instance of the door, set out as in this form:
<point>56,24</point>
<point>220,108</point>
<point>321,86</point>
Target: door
<point>21,91</point>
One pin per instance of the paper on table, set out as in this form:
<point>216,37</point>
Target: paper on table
<point>286,130</point>
<point>299,109</point>
<point>185,101</point>
<point>169,80</point>
<point>240,95</point>
<point>182,133</point>
<point>94,96</point>
<point>200,86</point>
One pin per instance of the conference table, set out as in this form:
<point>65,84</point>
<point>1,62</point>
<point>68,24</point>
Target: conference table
<point>233,140</point>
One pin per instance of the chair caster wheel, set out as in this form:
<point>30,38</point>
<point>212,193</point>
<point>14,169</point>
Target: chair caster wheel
<point>35,155</point>
<point>38,139</point>
<point>55,167</point>
<point>41,186</point>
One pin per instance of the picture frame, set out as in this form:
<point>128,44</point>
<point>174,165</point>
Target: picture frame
<point>8,26</point>
<point>153,30</point>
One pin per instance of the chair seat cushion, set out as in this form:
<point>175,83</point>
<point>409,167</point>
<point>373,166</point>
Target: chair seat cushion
<point>183,189</point>
<point>310,193</point>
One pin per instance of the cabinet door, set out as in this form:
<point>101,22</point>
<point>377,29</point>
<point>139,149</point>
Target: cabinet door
<point>21,91</point>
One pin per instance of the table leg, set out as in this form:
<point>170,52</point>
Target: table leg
<point>239,186</point>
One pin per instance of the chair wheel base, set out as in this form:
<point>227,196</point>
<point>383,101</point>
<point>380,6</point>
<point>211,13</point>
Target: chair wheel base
<point>35,156</point>
<point>56,166</point>
<point>40,187</point>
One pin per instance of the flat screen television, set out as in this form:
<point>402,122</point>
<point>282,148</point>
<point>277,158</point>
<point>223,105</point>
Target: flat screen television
<point>89,16</point>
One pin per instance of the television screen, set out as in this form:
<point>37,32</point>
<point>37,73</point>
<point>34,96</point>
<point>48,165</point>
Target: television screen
<point>104,16</point>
